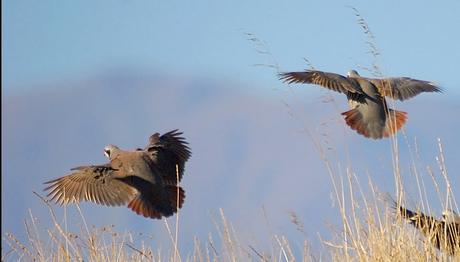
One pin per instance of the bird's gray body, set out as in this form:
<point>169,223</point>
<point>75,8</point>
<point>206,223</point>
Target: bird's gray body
<point>369,114</point>
<point>371,105</point>
<point>145,179</point>
<point>134,163</point>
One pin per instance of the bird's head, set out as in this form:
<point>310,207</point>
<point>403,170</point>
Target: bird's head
<point>111,151</point>
<point>450,216</point>
<point>352,73</point>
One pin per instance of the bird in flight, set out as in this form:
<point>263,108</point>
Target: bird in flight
<point>144,179</point>
<point>444,233</point>
<point>369,114</point>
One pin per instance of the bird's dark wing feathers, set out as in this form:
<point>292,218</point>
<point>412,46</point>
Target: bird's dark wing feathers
<point>331,81</point>
<point>418,219</point>
<point>167,151</point>
<point>96,183</point>
<point>402,88</point>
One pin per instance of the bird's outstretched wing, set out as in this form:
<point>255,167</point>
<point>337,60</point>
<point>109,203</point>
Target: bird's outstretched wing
<point>331,81</point>
<point>167,151</point>
<point>97,184</point>
<point>402,88</point>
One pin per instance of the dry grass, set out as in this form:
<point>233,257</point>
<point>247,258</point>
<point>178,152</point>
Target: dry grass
<point>370,231</point>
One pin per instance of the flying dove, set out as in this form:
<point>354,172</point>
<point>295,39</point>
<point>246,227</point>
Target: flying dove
<point>145,179</point>
<point>444,234</point>
<point>369,114</point>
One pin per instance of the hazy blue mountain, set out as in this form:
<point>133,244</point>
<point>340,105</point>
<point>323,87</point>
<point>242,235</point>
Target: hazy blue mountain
<point>250,150</point>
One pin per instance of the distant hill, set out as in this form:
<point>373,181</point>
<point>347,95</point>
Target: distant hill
<point>249,150</point>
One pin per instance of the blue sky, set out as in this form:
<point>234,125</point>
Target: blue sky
<point>44,41</point>
<point>67,66</point>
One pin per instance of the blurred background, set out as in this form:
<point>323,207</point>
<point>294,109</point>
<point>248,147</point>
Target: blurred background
<point>78,75</point>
